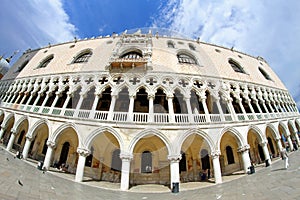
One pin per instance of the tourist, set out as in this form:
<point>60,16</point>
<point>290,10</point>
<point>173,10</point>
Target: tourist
<point>285,157</point>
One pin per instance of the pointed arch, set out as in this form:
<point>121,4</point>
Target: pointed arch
<point>54,136</point>
<point>33,128</point>
<point>87,143</point>
<point>240,139</point>
<point>258,132</point>
<point>154,132</point>
<point>20,121</point>
<point>182,137</point>
<point>7,119</point>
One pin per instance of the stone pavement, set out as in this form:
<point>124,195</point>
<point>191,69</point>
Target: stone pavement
<point>20,180</point>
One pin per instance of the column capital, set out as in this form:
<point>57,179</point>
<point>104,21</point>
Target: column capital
<point>244,148</point>
<point>126,156</point>
<point>215,154</point>
<point>30,138</point>
<point>13,131</point>
<point>175,157</point>
<point>50,144</point>
<point>83,152</point>
<point>263,143</point>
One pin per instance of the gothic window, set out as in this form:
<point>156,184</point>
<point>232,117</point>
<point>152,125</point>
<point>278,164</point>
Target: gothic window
<point>116,163</point>
<point>146,165</point>
<point>83,57</point>
<point>264,73</point>
<point>132,55</point>
<point>171,44</point>
<point>45,62</point>
<point>229,154</point>
<point>236,67</point>
<point>184,58</point>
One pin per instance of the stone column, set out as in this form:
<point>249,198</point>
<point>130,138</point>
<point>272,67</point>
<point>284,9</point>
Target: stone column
<point>203,101</point>
<point>290,142</point>
<point>216,165</point>
<point>65,104</point>
<point>244,150</point>
<point>27,147</point>
<point>130,108</point>
<point>243,109</point>
<point>83,153</point>
<point>266,151</point>
<point>151,108</point>
<point>174,169</point>
<point>171,109</point>
<point>112,107</point>
<point>48,157</point>
<point>11,140</point>
<point>126,159</point>
<point>279,145</point>
<point>231,110</point>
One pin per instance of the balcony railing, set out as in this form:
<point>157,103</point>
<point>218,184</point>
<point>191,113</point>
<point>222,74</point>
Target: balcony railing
<point>136,117</point>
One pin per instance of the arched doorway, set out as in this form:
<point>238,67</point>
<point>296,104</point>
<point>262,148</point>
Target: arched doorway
<point>198,161</point>
<point>106,164</point>
<point>38,147</point>
<point>272,144</point>
<point>256,151</point>
<point>65,155</point>
<point>150,164</point>
<point>230,158</point>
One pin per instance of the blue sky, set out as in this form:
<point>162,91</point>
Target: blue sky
<point>270,29</point>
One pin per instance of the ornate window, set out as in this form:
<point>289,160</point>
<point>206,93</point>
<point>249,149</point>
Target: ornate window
<point>83,57</point>
<point>45,62</point>
<point>236,67</point>
<point>184,58</point>
<point>264,73</point>
<point>132,55</point>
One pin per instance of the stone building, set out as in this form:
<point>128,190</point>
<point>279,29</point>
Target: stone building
<point>142,107</point>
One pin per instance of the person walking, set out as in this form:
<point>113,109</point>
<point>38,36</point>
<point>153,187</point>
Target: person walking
<point>285,157</point>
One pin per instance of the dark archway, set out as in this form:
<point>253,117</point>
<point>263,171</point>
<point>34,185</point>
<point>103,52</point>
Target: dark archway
<point>146,165</point>
<point>64,153</point>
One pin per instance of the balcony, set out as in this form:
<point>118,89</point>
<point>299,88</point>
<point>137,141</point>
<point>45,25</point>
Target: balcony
<point>143,118</point>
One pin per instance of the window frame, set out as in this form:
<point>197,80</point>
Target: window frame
<point>184,58</point>
<point>82,57</point>
<point>236,66</point>
<point>45,62</point>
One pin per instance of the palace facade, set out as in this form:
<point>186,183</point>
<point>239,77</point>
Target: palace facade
<point>140,108</point>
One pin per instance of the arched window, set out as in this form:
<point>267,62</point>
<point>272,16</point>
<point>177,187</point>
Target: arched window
<point>184,58</point>
<point>83,57</point>
<point>22,66</point>
<point>236,67</point>
<point>229,154</point>
<point>171,44</point>
<point>146,165</point>
<point>264,73</point>
<point>132,55</point>
<point>116,162</point>
<point>45,62</point>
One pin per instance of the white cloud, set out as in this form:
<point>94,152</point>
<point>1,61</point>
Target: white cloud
<point>32,24</point>
<point>260,28</point>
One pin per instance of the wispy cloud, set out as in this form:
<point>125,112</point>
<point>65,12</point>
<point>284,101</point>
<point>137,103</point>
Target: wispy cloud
<point>268,29</point>
<point>32,24</point>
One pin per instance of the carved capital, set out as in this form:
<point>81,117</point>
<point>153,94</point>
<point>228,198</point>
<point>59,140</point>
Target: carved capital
<point>126,157</point>
<point>51,144</point>
<point>244,148</point>
<point>30,138</point>
<point>174,157</point>
<point>215,154</point>
<point>83,152</point>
